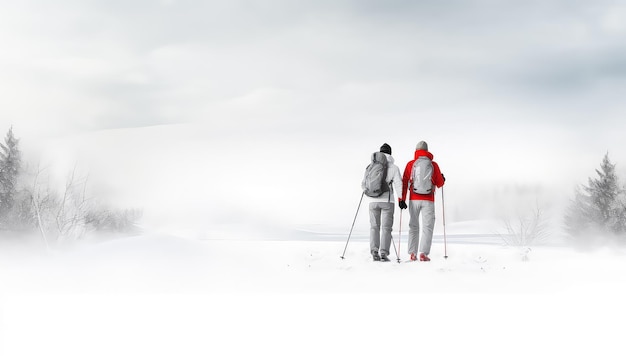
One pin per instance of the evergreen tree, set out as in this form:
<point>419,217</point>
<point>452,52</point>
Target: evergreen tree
<point>578,216</point>
<point>599,206</point>
<point>10,164</point>
<point>604,192</point>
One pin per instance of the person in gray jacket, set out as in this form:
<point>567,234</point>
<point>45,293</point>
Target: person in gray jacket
<point>382,209</point>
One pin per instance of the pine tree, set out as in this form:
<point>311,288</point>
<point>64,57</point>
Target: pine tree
<point>604,192</point>
<point>599,206</point>
<point>10,164</point>
<point>578,216</point>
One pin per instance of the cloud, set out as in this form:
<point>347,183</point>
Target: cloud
<point>100,64</point>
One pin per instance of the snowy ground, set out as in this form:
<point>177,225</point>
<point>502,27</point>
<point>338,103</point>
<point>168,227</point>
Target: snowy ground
<point>158,295</point>
<point>193,286</point>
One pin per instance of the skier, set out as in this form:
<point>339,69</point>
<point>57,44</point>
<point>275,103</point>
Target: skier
<point>381,210</point>
<point>421,176</point>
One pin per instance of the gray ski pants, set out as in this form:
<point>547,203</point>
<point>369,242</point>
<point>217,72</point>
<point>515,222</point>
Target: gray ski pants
<point>427,209</point>
<point>381,224</point>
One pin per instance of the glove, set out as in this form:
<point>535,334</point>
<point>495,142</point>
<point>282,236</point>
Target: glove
<point>402,204</point>
<point>444,178</point>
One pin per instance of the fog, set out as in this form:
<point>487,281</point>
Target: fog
<point>191,178</point>
<point>206,113</point>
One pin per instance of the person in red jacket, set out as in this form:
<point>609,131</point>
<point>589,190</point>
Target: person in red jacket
<point>423,204</point>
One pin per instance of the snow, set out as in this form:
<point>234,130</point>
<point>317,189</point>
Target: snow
<point>222,270</point>
<point>246,156</point>
<point>161,295</point>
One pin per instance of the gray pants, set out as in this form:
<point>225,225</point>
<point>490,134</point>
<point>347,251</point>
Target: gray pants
<point>381,221</point>
<point>427,209</point>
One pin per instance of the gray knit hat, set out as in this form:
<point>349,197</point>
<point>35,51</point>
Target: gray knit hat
<point>422,146</point>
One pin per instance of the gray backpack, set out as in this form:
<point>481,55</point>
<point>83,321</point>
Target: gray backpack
<point>374,182</point>
<point>422,176</point>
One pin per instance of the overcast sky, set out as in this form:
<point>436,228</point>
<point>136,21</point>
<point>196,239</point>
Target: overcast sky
<point>515,82</point>
<point>87,65</point>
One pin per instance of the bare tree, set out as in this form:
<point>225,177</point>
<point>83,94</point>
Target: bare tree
<point>526,231</point>
<point>58,215</point>
<point>40,202</point>
<point>72,208</point>
<point>71,213</point>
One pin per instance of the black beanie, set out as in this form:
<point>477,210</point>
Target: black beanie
<point>385,148</point>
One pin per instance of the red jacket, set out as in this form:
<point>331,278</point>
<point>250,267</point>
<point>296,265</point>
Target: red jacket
<point>438,180</point>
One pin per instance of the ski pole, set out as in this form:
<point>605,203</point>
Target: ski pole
<point>353,221</point>
<point>443,206</point>
<point>399,235</point>
<point>395,249</point>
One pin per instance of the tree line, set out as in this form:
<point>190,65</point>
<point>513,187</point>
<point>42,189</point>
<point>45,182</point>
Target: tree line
<point>29,203</point>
